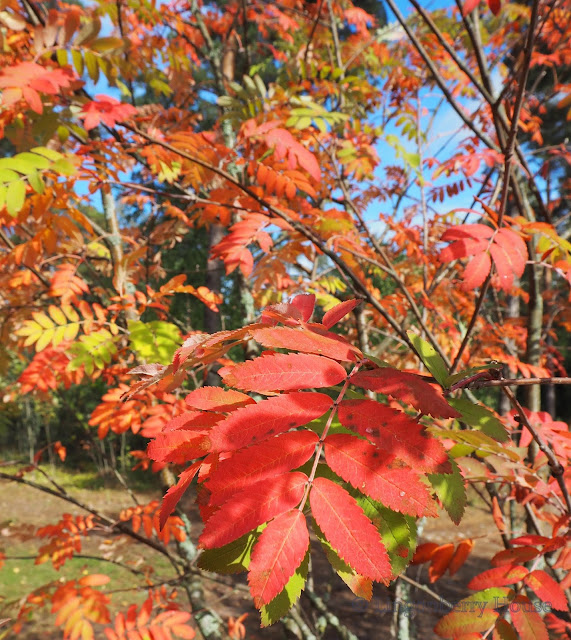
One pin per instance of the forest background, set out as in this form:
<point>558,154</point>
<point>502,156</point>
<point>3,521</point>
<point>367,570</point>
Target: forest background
<point>329,236</point>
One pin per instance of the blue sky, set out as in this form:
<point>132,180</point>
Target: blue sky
<point>445,128</point>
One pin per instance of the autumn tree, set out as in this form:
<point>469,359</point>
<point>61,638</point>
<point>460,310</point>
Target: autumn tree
<point>391,290</point>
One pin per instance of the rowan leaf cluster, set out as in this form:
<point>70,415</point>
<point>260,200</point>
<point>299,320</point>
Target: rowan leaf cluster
<point>236,255</point>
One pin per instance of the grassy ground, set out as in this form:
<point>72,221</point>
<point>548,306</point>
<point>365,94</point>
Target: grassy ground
<point>23,509</point>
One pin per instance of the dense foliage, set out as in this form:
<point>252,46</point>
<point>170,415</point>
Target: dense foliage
<point>236,255</point>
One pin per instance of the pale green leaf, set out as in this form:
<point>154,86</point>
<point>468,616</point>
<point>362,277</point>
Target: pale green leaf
<point>284,601</point>
<point>107,44</point>
<point>50,154</point>
<point>36,182</point>
<point>231,558</point>
<point>92,64</point>
<point>15,197</point>
<point>433,362</point>
<point>480,418</point>
<point>64,166</point>
<point>395,529</point>
<point>154,341</point>
<point>7,175</point>
<point>450,489</point>
<point>467,373</point>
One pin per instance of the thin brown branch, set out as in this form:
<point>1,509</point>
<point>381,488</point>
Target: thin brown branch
<point>438,78</point>
<point>427,590</point>
<point>86,556</point>
<point>450,51</point>
<point>557,469</point>
<point>391,271</point>
<point>312,33</point>
<point>508,156</point>
<point>519,382</point>
<point>358,286</point>
<point>38,275</point>
<point>112,524</point>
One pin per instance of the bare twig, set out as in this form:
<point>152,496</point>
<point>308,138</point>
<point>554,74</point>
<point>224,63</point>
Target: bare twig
<point>112,524</point>
<point>519,382</point>
<point>508,156</point>
<point>358,286</point>
<point>557,469</point>
<point>438,78</point>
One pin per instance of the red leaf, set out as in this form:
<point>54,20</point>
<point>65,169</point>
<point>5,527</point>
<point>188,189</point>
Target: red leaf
<point>513,556</point>
<point>462,552</point>
<point>284,371</point>
<point>498,577</point>
<point>217,399</point>
<point>285,144</point>
<point>547,589</point>
<point>471,615</point>
<point>264,460</point>
<point>407,387</point>
<point>174,494</point>
<point>396,433</point>
<point>268,418</point>
<point>468,233</point>
<point>353,536</point>
<point>252,507</point>
<point>510,255</point>
<point>526,620</point>
<point>498,516</point>
<point>477,271</point>
<point>179,446</point>
<point>504,631</point>
<point>339,311</point>
<point>506,247</point>
<point>424,552</point>
<point>305,302</point>
<point>302,339</point>
<point>560,628</point>
<point>26,79</point>
<point>469,6</point>
<point>529,539</point>
<point>283,312</point>
<point>94,580</point>
<point>191,420</point>
<point>495,6</point>
<point>277,554</point>
<point>107,110</point>
<point>440,561</point>
<point>378,474</point>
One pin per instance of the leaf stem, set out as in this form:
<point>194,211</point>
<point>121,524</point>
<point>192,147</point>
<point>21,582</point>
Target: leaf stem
<point>325,432</point>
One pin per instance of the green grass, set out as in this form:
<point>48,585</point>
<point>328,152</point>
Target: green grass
<point>88,478</point>
<point>19,577</point>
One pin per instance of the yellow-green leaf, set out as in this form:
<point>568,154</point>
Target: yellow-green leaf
<point>61,55</point>
<point>77,61</point>
<point>433,362</point>
<point>15,197</point>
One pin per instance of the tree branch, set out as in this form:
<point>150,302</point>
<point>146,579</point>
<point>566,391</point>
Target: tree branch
<point>557,470</point>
